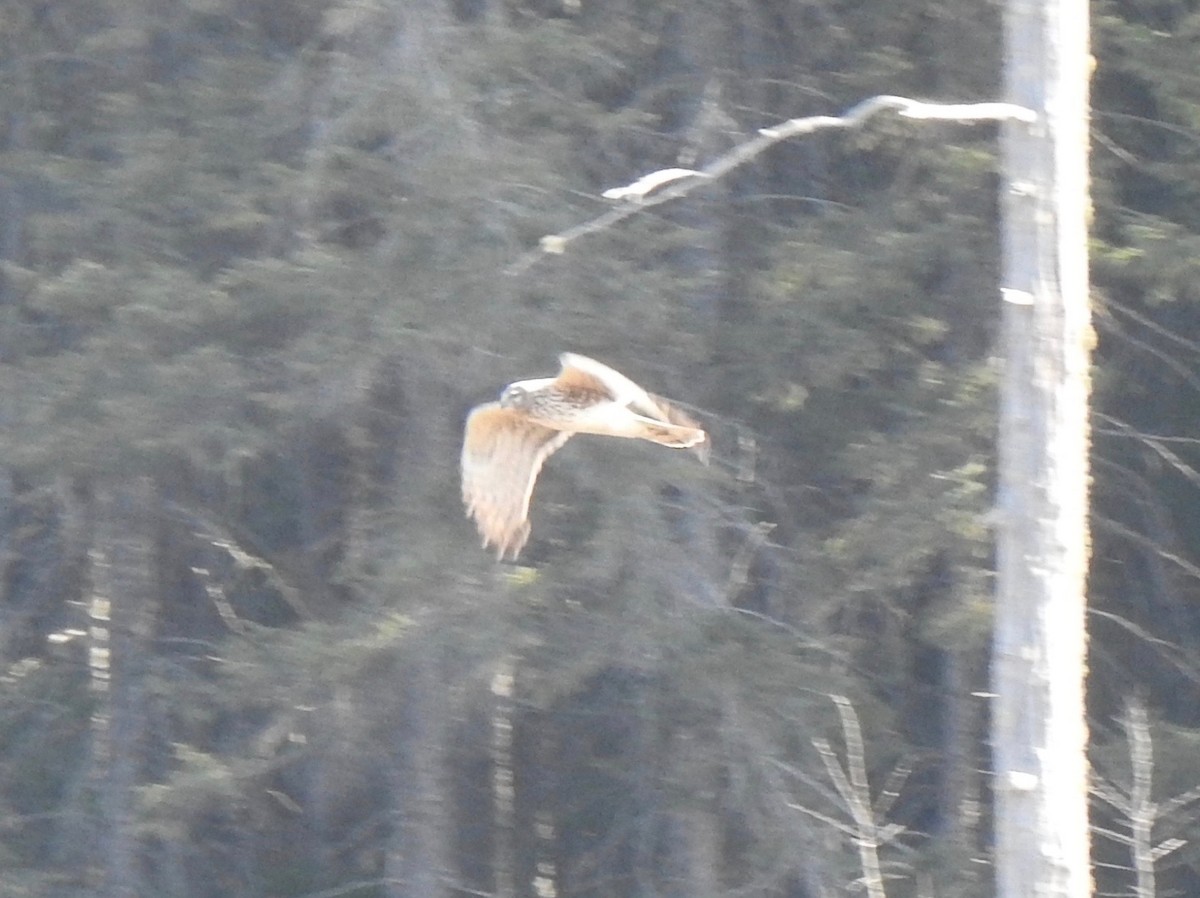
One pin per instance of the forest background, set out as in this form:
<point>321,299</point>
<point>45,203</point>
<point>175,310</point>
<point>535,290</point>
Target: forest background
<point>253,261</point>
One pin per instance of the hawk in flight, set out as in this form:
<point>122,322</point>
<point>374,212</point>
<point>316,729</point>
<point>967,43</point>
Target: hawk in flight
<point>506,442</point>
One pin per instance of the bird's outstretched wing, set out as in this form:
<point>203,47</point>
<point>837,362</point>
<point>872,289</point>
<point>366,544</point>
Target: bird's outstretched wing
<point>503,452</point>
<point>583,375</point>
<point>580,373</point>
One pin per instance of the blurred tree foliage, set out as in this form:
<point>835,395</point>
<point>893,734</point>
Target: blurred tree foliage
<point>251,258</point>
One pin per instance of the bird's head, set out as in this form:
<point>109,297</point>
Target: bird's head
<point>514,396</point>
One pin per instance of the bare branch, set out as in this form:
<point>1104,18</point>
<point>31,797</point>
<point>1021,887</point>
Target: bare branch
<point>852,785</point>
<point>1178,657</point>
<point>1115,836</point>
<point>1108,793</point>
<point>1141,801</point>
<point>646,184</point>
<point>1171,805</point>
<point>678,182</point>
<point>1165,847</point>
<point>844,828</point>
<point>1192,475</point>
<point>1113,526</point>
<point>1111,324</point>
<point>1108,304</point>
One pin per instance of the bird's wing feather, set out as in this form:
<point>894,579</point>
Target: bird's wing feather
<point>503,452</point>
<point>579,373</point>
<point>582,373</point>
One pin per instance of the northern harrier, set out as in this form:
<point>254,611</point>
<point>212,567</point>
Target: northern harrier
<point>506,442</point>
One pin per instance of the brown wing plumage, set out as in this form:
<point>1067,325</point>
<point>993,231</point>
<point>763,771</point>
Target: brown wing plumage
<point>502,453</point>
<point>584,375</point>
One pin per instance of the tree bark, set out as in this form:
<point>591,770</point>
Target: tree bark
<point>503,779</point>
<point>122,623</point>
<point>416,864</point>
<point>1039,729</point>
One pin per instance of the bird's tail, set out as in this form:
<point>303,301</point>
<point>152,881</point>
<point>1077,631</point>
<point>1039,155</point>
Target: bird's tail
<point>686,427</point>
<point>677,436</point>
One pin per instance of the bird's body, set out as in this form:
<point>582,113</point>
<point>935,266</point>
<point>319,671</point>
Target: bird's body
<point>506,442</point>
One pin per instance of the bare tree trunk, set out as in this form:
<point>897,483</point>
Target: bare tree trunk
<point>416,865</point>
<point>121,610</point>
<point>541,791</point>
<point>504,862</point>
<point>1039,730</point>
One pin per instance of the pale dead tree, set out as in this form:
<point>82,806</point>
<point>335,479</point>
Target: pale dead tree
<point>1136,804</point>
<point>1039,730</point>
<point>866,827</point>
<point>503,779</point>
<point>668,184</point>
<point>416,859</point>
<point>122,608</point>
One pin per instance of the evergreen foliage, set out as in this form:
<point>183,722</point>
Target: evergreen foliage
<point>251,258</point>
